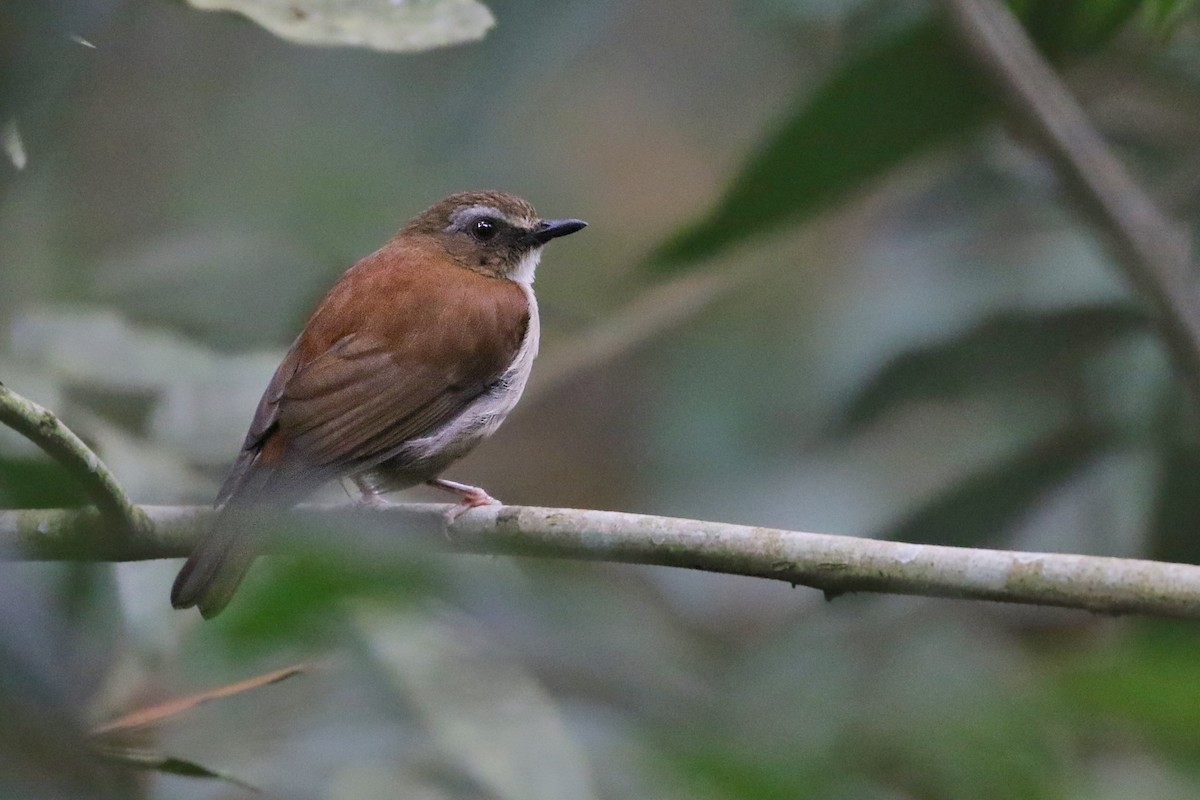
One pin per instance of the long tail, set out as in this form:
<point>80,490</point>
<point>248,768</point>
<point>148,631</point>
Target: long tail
<point>216,567</point>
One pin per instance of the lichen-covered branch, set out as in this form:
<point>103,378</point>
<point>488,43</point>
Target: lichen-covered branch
<point>44,429</point>
<point>832,564</point>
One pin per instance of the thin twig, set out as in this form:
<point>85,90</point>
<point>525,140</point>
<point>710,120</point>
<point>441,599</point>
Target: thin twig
<point>159,712</point>
<point>44,429</point>
<point>832,564</point>
<point>1154,253</point>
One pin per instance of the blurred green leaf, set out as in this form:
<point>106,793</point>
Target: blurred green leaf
<point>297,598</point>
<point>924,703</point>
<point>157,762</point>
<point>1064,30</point>
<point>721,771</point>
<point>1163,17</point>
<point>983,506</point>
<point>1142,685</point>
<point>37,483</point>
<point>1004,350</point>
<point>1176,519</point>
<point>378,24</point>
<point>50,668</point>
<point>900,98</point>
<point>486,713</point>
<point>905,96</point>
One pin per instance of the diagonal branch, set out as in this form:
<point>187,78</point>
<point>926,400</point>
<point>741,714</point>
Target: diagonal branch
<point>658,309</point>
<point>44,429</point>
<point>1154,253</point>
<point>832,564</point>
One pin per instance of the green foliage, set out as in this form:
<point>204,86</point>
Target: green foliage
<point>170,765</point>
<point>262,169</point>
<point>721,771</point>
<point>1016,348</point>
<point>488,714</point>
<point>300,599</point>
<point>1141,687</point>
<point>1163,17</point>
<point>897,99</point>
<point>37,483</point>
<point>1075,29</point>
<point>979,508</point>
<point>889,711</point>
<point>1173,528</point>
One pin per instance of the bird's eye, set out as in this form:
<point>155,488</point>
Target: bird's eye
<point>484,229</point>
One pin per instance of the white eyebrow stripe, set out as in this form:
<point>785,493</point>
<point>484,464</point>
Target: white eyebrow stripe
<point>487,211</point>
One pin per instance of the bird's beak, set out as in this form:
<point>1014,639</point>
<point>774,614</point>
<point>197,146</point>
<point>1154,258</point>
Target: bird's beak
<point>549,229</point>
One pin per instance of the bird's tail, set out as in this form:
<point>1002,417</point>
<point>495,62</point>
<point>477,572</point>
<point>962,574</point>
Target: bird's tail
<point>216,567</point>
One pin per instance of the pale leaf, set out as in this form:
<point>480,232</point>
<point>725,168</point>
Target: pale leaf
<point>389,25</point>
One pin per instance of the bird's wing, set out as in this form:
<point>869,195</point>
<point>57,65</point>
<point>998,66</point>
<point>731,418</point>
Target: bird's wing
<point>359,400</point>
<point>261,427</point>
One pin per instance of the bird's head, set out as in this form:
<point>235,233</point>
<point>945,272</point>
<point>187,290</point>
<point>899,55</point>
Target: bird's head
<point>495,233</point>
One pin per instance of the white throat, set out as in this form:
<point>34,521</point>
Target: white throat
<point>523,274</point>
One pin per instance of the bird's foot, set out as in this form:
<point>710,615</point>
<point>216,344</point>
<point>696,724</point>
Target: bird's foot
<point>372,500</point>
<point>469,497</point>
<point>369,495</point>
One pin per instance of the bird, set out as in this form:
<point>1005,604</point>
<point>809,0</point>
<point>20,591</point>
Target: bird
<point>414,356</point>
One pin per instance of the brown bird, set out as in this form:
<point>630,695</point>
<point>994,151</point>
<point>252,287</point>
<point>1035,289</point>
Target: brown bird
<point>417,353</point>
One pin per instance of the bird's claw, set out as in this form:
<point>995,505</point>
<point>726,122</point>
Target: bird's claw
<point>372,500</point>
<point>473,499</point>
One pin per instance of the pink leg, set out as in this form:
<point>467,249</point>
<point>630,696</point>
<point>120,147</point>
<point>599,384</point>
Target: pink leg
<point>471,497</point>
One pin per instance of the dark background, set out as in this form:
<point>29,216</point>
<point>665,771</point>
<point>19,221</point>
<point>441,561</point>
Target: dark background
<point>854,298</point>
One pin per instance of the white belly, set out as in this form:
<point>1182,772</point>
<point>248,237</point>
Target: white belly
<point>426,457</point>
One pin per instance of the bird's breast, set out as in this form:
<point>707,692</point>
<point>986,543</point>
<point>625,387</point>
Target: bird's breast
<point>426,457</point>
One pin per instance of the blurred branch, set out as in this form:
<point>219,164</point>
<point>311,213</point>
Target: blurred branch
<point>41,427</point>
<point>832,564</point>
<point>642,320</point>
<point>1154,253</point>
<point>671,303</point>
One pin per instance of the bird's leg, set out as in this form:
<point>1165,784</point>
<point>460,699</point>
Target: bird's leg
<point>370,495</point>
<point>470,497</point>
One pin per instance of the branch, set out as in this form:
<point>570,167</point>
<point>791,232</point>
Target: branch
<point>1154,253</point>
<point>832,564</point>
<point>41,427</point>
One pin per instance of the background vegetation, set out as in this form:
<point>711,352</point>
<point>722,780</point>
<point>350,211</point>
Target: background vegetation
<point>874,311</point>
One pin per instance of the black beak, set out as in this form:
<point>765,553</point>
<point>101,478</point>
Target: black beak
<point>549,229</point>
